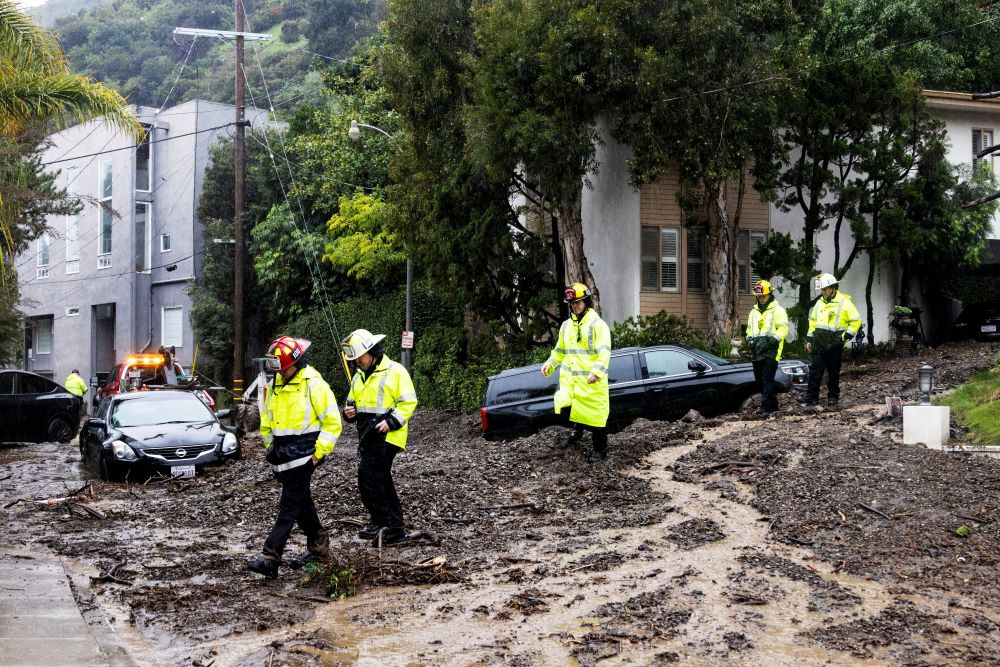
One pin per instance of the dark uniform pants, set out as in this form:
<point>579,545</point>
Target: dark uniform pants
<point>763,371</point>
<point>599,435</point>
<point>296,506</point>
<point>378,492</point>
<point>828,360</point>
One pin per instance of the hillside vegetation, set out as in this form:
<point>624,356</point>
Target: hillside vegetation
<point>129,44</point>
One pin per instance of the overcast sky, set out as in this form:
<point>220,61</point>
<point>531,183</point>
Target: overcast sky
<point>30,3</point>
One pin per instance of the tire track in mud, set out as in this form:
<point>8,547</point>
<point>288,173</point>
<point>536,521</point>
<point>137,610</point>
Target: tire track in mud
<point>704,586</point>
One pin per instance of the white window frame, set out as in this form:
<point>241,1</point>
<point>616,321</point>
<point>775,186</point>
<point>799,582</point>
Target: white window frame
<point>104,213</point>
<point>72,311</point>
<point>986,138</point>
<point>164,340</point>
<point>147,250</point>
<point>44,256</point>
<point>47,349</point>
<point>166,243</point>
<point>147,139</point>
<point>747,244</point>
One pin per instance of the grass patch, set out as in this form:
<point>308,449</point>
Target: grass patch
<point>976,404</point>
<point>338,581</point>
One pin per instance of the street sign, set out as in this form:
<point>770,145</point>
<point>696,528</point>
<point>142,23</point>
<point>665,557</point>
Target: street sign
<point>407,340</point>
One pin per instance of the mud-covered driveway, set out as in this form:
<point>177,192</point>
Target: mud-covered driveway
<point>812,537</point>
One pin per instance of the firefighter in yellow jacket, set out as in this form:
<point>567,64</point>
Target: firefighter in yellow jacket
<point>766,331</point>
<point>582,355</point>
<point>300,425</point>
<point>381,401</point>
<point>75,385</point>
<point>833,321</point>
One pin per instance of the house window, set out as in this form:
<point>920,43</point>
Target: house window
<point>143,237</point>
<point>73,223</point>
<point>981,139</point>
<point>173,329</point>
<point>73,311</point>
<point>44,245</point>
<point>749,242</point>
<point>105,219</point>
<point>696,260</point>
<point>43,337</point>
<point>165,243</point>
<point>143,163</point>
<point>659,258</point>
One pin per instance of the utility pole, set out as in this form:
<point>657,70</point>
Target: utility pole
<point>239,187</point>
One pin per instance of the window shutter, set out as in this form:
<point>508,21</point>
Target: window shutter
<point>743,260</point>
<point>649,252</point>
<point>757,241</point>
<point>696,260</point>
<point>668,258</point>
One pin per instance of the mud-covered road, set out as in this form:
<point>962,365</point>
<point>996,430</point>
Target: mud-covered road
<point>812,537</point>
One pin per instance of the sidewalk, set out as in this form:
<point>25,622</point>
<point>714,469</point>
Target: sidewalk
<point>40,623</point>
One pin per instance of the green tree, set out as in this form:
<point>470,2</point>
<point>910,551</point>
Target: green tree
<point>459,224</point>
<point>704,83</point>
<point>360,244</point>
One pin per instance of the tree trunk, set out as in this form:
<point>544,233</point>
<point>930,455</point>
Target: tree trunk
<point>721,312</point>
<point>560,266</point>
<point>571,231</point>
<point>870,309</point>
<point>805,291</point>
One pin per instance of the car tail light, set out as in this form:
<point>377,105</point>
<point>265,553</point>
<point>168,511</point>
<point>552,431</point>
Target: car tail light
<point>482,419</point>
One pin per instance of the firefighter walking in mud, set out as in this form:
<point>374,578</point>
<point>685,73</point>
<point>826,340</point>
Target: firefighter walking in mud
<point>766,331</point>
<point>833,321</point>
<point>300,424</point>
<point>75,385</point>
<point>582,354</point>
<point>381,401</point>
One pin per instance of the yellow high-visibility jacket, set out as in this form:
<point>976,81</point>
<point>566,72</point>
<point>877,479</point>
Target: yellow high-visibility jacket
<point>766,330</point>
<point>386,391</point>
<point>75,385</point>
<point>584,347</point>
<point>829,320</point>
<point>300,418</point>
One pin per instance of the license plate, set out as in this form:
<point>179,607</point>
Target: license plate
<point>988,328</point>
<point>182,471</point>
<point>134,374</point>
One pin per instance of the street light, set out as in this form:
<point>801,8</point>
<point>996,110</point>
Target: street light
<point>355,134</point>
<point>926,374</point>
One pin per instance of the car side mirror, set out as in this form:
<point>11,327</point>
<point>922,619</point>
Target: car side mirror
<point>94,422</point>
<point>223,414</point>
<point>697,367</point>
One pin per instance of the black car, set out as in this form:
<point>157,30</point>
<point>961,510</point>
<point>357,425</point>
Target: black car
<point>980,321</point>
<point>661,382</point>
<point>168,431</point>
<point>36,409</point>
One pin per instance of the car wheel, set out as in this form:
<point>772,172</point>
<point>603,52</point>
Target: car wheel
<point>60,430</point>
<point>109,472</point>
<point>748,402</point>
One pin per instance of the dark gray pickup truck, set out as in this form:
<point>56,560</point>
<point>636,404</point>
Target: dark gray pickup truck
<point>661,382</point>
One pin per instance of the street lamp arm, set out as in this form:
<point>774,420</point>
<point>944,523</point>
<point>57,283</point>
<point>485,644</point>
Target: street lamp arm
<point>355,133</point>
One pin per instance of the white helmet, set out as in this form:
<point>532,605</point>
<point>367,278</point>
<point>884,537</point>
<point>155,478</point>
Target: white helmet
<point>824,280</point>
<point>359,342</point>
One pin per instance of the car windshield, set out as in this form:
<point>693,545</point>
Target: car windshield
<point>173,410</point>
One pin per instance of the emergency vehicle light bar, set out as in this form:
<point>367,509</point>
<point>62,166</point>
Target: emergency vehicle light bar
<point>146,360</point>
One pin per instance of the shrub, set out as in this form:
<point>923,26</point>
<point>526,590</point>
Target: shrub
<point>659,329</point>
<point>291,32</point>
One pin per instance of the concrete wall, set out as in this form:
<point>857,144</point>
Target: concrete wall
<point>611,230</point>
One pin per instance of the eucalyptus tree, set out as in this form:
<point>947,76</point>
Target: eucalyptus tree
<point>706,82</point>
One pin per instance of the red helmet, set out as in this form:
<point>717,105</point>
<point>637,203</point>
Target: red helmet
<point>285,352</point>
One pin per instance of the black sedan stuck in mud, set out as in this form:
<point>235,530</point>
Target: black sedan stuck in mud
<point>170,432</point>
<point>660,382</point>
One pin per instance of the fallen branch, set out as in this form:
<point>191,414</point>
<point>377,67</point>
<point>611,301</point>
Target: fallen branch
<point>87,509</point>
<point>974,519</point>
<point>308,598</point>
<point>869,508</point>
<point>517,506</point>
<point>110,575</point>
<point>730,464</point>
<point>747,599</point>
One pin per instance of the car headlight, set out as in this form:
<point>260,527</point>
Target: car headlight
<point>122,451</point>
<point>229,443</point>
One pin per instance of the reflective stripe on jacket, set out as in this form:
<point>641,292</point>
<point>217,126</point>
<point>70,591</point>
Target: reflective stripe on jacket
<point>300,418</point>
<point>828,320</point>
<point>75,385</point>
<point>584,347</point>
<point>388,388</point>
<point>766,329</point>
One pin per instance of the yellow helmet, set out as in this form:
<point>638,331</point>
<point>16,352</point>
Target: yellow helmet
<point>761,287</point>
<point>576,291</point>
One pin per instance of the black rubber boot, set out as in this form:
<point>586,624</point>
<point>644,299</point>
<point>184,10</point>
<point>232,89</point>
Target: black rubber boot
<point>265,566</point>
<point>369,530</point>
<point>597,456</point>
<point>389,536</point>
<point>576,434</point>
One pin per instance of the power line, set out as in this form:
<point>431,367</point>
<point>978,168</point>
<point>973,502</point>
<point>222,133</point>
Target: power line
<point>128,148</point>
